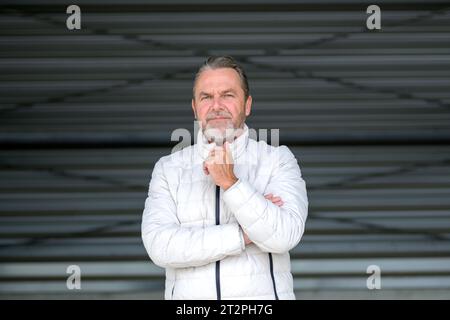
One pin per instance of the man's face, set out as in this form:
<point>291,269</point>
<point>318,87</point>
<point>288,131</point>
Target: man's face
<point>219,101</point>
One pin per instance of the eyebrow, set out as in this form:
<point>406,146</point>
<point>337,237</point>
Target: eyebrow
<point>202,93</point>
<point>228,90</point>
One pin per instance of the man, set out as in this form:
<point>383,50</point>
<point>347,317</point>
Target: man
<point>222,215</point>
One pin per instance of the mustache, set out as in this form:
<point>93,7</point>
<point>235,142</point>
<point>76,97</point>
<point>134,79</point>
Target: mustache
<point>221,114</point>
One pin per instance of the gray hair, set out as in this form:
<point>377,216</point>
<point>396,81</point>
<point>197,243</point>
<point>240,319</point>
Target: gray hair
<point>217,62</point>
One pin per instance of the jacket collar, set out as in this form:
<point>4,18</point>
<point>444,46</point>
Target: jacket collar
<point>237,147</point>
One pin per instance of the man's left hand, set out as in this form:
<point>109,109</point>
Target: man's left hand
<point>219,165</point>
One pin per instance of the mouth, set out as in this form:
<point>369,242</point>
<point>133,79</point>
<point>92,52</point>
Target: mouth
<point>219,118</point>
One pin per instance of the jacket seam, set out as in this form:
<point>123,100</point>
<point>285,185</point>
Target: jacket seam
<point>240,275</point>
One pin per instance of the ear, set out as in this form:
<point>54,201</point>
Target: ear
<point>193,108</point>
<point>248,106</point>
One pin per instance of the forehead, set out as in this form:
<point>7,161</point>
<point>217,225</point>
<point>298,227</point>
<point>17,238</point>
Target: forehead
<point>218,79</point>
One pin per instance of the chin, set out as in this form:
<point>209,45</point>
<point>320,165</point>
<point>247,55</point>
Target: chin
<point>221,125</point>
<point>220,132</point>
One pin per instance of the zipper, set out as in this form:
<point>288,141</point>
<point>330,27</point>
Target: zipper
<point>173,288</point>
<point>217,223</point>
<point>273,276</point>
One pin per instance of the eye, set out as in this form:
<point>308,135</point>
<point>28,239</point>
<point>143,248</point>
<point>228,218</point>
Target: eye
<point>229,95</point>
<point>204,98</point>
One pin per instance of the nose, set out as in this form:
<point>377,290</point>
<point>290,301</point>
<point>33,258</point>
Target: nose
<point>216,104</point>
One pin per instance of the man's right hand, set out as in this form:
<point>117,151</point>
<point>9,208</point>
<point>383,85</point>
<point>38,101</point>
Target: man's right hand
<point>275,200</point>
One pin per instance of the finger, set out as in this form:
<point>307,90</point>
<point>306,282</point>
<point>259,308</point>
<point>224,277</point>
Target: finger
<point>270,195</point>
<point>278,203</point>
<point>205,169</point>
<point>218,155</point>
<point>223,156</point>
<point>209,161</point>
<point>228,153</point>
<point>276,199</point>
<point>208,164</point>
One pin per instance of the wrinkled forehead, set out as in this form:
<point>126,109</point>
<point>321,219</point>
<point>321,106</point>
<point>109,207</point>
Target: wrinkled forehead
<point>218,81</point>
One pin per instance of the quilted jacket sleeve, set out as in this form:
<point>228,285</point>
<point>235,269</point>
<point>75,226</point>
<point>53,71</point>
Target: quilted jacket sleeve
<point>171,245</point>
<point>272,228</point>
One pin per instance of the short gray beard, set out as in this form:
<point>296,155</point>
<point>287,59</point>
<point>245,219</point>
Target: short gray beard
<point>220,136</point>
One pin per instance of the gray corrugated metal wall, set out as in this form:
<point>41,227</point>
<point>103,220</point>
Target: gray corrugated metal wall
<point>85,114</point>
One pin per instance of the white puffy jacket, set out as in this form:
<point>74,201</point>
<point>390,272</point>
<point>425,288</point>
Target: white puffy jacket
<point>192,228</point>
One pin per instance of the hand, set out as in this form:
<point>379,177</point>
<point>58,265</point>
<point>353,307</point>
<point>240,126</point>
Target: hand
<point>275,200</point>
<point>247,240</point>
<point>219,165</point>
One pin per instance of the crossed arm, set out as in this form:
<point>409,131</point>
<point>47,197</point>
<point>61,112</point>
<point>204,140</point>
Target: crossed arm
<point>273,223</point>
